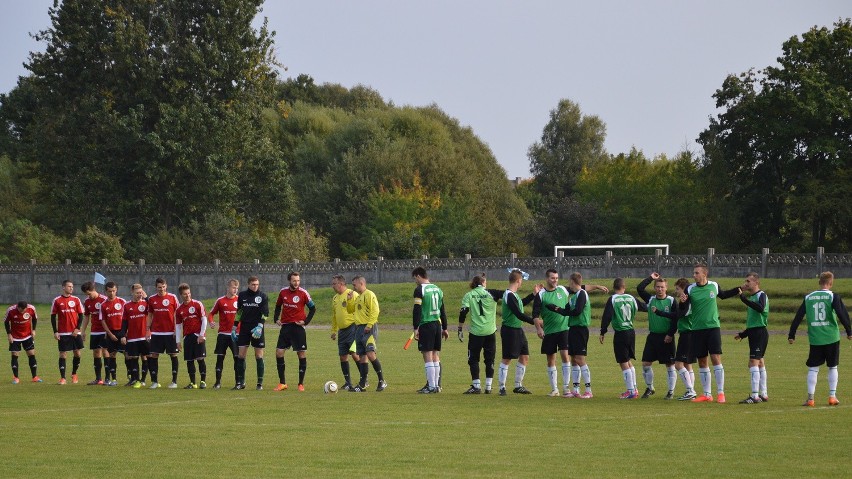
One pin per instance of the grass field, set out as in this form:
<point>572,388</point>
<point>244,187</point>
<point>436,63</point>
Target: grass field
<point>77,430</point>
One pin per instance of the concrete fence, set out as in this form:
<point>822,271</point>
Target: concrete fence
<point>40,283</point>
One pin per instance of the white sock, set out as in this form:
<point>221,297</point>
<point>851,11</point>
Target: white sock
<point>575,377</point>
<point>633,375</point>
<point>719,372</point>
<point>648,374</point>
<point>520,370</point>
<point>587,376</point>
<point>476,383</point>
<point>763,388</point>
<point>427,367</point>
<point>832,381</point>
<point>704,374</point>
<point>551,375</point>
<point>628,379</point>
<point>686,378</point>
<point>503,374</point>
<point>488,382</point>
<point>692,377</point>
<point>566,375</point>
<point>755,380</point>
<point>433,375</point>
<point>672,377</point>
<point>812,381</point>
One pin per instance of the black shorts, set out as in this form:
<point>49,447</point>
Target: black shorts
<point>657,349</point>
<point>366,342</point>
<point>192,350</point>
<point>684,352</point>
<point>624,345</point>
<point>113,346</point>
<point>135,349</point>
<point>163,344</point>
<point>825,353</point>
<point>345,340</point>
<point>706,342</point>
<point>514,342</point>
<point>225,342</point>
<point>245,338</point>
<point>554,342</point>
<point>484,344</point>
<point>430,337</point>
<point>26,344</point>
<point>758,340</point>
<point>68,342</point>
<point>578,340</point>
<point>96,340</point>
<point>292,336</point>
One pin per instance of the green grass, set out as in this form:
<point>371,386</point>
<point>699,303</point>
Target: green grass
<point>77,431</point>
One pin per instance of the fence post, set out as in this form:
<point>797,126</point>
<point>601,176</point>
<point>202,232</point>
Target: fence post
<point>178,265</point>
<point>467,266</point>
<point>380,265</point>
<point>256,267</point>
<point>336,265</point>
<point>710,253</point>
<point>658,260</point>
<point>820,260</point>
<point>142,271</point>
<point>764,259</point>
<point>67,269</point>
<point>216,272</point>
<point>512,258</point>
<point>560,260</point>
<point>608,261</point>
<point>32,281</point>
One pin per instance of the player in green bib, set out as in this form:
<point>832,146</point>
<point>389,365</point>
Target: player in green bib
<point>684,356</point>
<point>659,345</point>
<point>430,326</point>
<point>481,303</point>
<point>822,308</point>
<point>706,334</point>
<point>552,329</point>
<point>757,315</point>
<point>620,311</point>
<point>512,337</point>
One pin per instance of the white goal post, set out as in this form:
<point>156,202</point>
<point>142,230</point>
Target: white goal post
<point>610,246</point>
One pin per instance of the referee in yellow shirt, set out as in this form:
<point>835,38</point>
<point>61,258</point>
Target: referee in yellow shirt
<point>343,326</point>
<point>365,307</point>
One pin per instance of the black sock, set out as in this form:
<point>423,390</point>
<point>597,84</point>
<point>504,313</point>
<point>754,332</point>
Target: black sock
<point>15,366</point>
<point>303,366</point>
<point>154,367</point>
<point>237,367</point>
<point>279,363</point>
<point>62,368</point>
<point>112,368</point>
<point>344,366</point>
<point>260,370</point>
<point>133,368</point>
<point>190,367</point>
<point>377,366</point>
<point>175,365</point>
<point>220,364</point>
<point>99,363</point>
<point>202,370</point>
<point>33,366</point>
<point>364,369</point>
<point>128,367</point>
<point>75,364</point>
<point>144,369</point>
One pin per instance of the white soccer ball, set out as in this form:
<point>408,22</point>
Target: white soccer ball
<point>330,387</point>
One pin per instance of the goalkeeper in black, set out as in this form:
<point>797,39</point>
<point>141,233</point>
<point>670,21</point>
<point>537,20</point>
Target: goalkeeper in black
<point>252,311</point>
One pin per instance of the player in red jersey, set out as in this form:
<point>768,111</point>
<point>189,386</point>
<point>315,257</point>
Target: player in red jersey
<point>92,308</point>
<point>134,327</point>
<point>20,322</point>
<point>290,315</point>
<point>66,314</point>
<point>161,331</point>
<point>112,312</point>
<point>191,320</point>
<point>226,308</point>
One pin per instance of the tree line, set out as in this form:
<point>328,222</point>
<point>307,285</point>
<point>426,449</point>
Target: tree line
<point>162,130</point>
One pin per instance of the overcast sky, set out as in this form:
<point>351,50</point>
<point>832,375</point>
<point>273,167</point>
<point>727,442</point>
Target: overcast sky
<point>648,69</point>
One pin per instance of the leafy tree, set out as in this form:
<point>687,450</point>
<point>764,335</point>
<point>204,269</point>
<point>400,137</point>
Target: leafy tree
<point>784,144</point>
<point>21,241</point>
<point>93,245</point>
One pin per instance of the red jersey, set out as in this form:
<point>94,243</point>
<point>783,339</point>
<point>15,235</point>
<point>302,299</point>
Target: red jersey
<point>293,304</point>
<point>190,315</point>
<point>21,322</point>
<point>163,309</point>
<point>92,307</point>
<point>136,315</point>
<point>112,312</point>
<point>226,308</point>
<point>68,311</point>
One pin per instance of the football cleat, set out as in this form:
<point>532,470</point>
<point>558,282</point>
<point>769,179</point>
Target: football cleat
<point>359,389</point>
<point>217,386</point>
<point>154,385</point>
<point>703,398</point>
<point>569,393</point>
<point>142,383</point>
<point>429,391</point>
<point>94,382</point>
<point>347,387</point>
<point>832,401</point>
<point>62,381</point>
<point>629,395</point>
<point>423,389</point>
<point>280,387</point>
<point>720,398</point>
<point>764,398</point>
<point>301,388</point>
<point>37,379</point>
<point>74,379</point>
<point>554,393</point>
<point>238,387</point>
<point>382,386</point>
<point>751,400</point>
<point>130,383</point>
<point>15,380</point>
<point>202,385</point>
<point>259,387</point>
<point>487,390</point>
<point>648,393</point>
<point>585,395</point>
<point>687,396</point>
<point>173,385</point>
<point>809,403</point>
<point>502,391</point>
<point>669,395</point>
<point>137,385</point>
<point>473,390</point>
<point>521,390</point>
<point>191,386</point>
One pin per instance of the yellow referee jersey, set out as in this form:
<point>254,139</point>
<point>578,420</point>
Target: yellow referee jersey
<point>365,307</point>
<point>340,317</point>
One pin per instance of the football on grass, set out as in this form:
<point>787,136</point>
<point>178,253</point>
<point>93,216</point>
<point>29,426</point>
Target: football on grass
<point>330,387</point>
